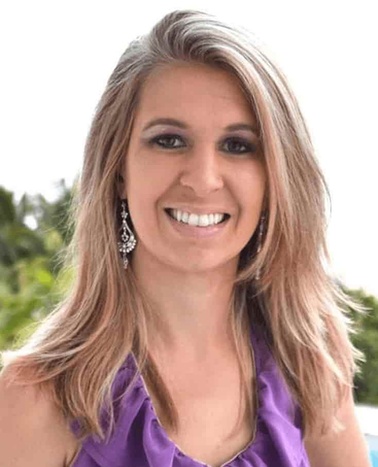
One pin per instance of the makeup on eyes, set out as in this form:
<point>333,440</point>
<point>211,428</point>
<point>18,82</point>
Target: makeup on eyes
<point>230,144</point>
<point>249,146</point>
<point>168,124</point>
<point>152,138</point>
<point>244,136</point>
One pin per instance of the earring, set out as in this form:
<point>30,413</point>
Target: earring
<point>128,240</point>
<point>259,242</point>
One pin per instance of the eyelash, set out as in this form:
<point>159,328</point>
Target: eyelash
<point>157,140</point>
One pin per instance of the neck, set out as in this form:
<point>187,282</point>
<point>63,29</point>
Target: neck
<point>190,311</point>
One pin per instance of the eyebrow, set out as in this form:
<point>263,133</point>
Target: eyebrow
<point>180,124</point>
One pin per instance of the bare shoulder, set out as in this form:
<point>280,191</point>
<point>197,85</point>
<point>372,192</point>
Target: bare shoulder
<point>345,447</point>
<point>33,431</point>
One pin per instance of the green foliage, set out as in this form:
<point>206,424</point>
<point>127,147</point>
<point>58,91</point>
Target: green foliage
<point>30,260</point>
<point>366,340</point>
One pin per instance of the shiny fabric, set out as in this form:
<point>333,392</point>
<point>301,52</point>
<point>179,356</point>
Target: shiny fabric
<point>140,441</point>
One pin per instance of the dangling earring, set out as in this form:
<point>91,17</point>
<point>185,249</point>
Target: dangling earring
<point>128,240</point>
<point>259,242</point>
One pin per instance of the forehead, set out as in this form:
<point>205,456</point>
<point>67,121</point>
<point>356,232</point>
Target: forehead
<point>194,91</point>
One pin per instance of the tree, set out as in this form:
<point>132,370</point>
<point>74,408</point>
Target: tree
<point>30,258</point>
<point>17,241</point>
<point>366,340</point>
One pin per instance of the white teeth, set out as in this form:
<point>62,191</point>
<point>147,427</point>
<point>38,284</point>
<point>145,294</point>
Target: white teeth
<point>193,219</point>
<point>202,220</point>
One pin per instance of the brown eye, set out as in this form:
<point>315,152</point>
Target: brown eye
<point>168,141</point>
<point>238,146</point>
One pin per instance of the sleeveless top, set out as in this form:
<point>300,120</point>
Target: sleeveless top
<point>139,440</point>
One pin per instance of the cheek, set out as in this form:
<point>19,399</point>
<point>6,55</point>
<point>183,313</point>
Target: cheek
<point>252,185</point>
<point>138,177</point>
<point>150,176</point>
<point>141,195</point>
<point>145,188</point>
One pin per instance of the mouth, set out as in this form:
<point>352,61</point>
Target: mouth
<point>169,212</point>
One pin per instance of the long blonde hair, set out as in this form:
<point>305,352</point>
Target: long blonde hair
<point>78,349</point>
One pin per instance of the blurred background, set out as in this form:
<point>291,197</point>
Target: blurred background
<point>55,60</point>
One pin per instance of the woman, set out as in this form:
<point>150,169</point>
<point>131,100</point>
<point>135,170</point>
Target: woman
<point>202,328</point>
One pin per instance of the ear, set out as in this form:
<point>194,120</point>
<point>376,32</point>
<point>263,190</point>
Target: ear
<point>121,187</point>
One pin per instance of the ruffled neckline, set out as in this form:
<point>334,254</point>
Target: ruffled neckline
<point>140,436</point>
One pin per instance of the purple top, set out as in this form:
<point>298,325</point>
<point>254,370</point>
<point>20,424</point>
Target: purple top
<point>139,440</point>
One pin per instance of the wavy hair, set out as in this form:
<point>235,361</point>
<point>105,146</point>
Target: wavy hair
<point>296,300</point>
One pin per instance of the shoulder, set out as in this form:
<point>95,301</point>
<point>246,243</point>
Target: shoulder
<point>34,432</point>
<point>337,448</point>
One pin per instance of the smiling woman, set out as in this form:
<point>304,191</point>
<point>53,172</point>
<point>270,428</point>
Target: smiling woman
<point>202,328</point>
<point>182,160</point>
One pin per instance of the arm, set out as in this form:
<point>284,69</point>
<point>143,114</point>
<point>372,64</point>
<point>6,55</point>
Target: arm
<point>33,432</point>
<point>348,447</point>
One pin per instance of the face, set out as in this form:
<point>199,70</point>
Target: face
<point>194,149</point>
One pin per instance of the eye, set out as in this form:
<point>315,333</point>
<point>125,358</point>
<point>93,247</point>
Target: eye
<point>168,141</point>
<point>238,146</point>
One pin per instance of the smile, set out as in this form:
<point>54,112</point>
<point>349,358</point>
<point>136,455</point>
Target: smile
<point>197,220</point>
<point>195,230</point>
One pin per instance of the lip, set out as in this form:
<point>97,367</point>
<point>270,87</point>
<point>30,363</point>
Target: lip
<point>193,231</point>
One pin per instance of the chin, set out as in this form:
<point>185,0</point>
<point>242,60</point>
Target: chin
<point>202,264</point>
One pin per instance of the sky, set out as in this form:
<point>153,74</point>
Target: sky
<point>57,56</point>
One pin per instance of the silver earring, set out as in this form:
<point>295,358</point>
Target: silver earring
<point>128,240</point>
<point>259,242</point>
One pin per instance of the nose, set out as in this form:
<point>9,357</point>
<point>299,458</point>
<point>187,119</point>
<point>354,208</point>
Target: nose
<point>202,171</point>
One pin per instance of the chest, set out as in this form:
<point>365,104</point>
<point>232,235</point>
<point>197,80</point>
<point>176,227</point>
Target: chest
<point>215,423</point>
